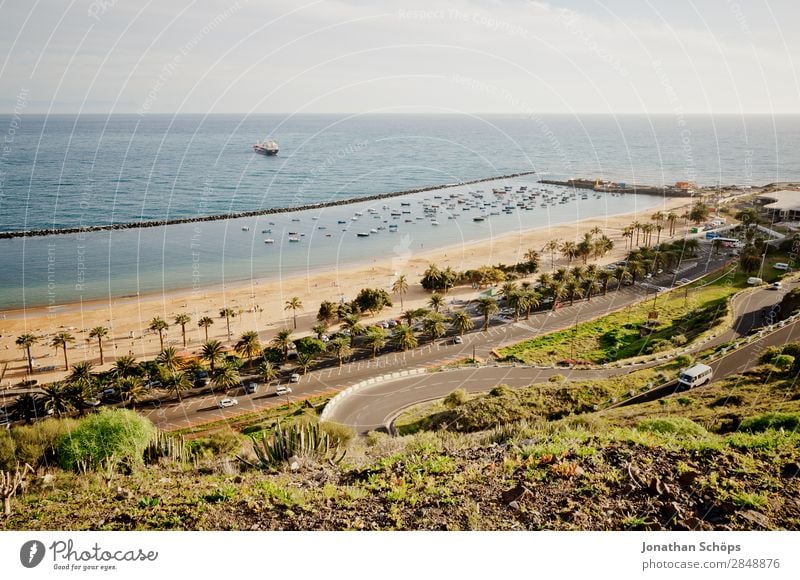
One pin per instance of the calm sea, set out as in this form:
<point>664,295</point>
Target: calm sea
<point>67,171</point>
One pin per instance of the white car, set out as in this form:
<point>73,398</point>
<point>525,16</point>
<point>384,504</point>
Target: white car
<point>295,378</point>
<point>227,402</point>
<point>458,340</point>
<point>283,390</point>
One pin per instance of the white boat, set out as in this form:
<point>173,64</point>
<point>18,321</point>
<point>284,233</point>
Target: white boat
<point>362,234</point>
<point>245,228</point>
<point>268,147</point>
<point>434,223</point>
<point>294,239</point>
<point>269,241</point>
<point>373,231</point>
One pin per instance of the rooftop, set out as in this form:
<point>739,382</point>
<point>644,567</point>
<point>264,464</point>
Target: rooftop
<point>782,200</point>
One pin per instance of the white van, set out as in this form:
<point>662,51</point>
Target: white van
<point>754,281</point>
<point>781,266</point>
<point>695,376</point>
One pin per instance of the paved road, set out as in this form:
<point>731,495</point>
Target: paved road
<point>376,406</point>
<point>199,409</point>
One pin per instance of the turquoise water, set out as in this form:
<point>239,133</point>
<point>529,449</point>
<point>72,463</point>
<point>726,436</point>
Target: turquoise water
<point>63,171</point>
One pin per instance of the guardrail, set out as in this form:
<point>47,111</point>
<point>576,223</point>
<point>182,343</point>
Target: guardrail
<point>338,398</point>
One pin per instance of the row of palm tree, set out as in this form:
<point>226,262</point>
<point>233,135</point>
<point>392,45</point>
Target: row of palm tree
<point>593,245</point>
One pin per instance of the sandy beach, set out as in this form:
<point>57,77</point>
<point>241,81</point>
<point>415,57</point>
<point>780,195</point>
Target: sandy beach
<point>260,303</point>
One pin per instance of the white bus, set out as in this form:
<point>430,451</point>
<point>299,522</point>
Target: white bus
<point>695,376</point>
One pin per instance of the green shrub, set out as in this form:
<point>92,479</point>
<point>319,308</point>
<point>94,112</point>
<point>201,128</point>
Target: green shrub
<point>783,362</point>
<point>684,360</point>
<point>339,434</point>
<point>37,444</point>
<point>108,439</point>
<point>760,423</point>
<point>301,440</point>
<point>225,442</point>
<point>500,391</point>
<point>8,456</point>
<point>679,340</point>
<point>456,399</point>
<point>672,426</point>
<point>558,378</point>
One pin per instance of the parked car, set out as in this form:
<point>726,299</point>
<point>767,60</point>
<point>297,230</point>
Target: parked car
<point>91,403</point>
<point>227,402</point>
<point>251,388</point>
<point>781,266</point>
<point>295,378</point>
<point>283,390</point>
<point>458,340</point>
<point>754,281</point>
<point>776,286</point>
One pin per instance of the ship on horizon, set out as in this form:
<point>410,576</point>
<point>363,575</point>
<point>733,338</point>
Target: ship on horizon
<point>268,147</point>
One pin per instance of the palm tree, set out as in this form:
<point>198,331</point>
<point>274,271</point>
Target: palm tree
<point>294,304</point>
<point>178,382</point>
<point>267,371</point>
<point>132,391</point>
<point>341,348</point>
<point>283,341</point>
<point>404,337</point>
<point>125,366</point>
<point>204,323</point>
<point>168,358</point>
<point>375,338</point>
<point>529,301</point>
<point>99,332</point>
<point>433,325</point>
<point>56,399</point>
<point>636,269</point>
<point>352,323</point>
<point>622,275</point>
<point>558,290</point>
<point>25,342</point>
<point>327,312</point>
<point>545,280</point>
<point>61,340</point>
<point>461,322</point>
<point>552,247</point>
<point>605,277</point>
<point>532,259</point>
<point>227,314</point>
<point>574,289</point>
<point>81,385</point>
<point>248,345</point>
<point>400,287</point>
<point>183,319</point>
<point>159,325</point>
<point>212,352</point>
<point>24,407</point>
<point>672,217</point>
<point>658,217</point>
<point>509,289</point>
<point>487,306</point>
<point>569,250</point>
<point>320,330</point>
<point>592,286</point>
<point>436,301</point>
<point>226,377</point>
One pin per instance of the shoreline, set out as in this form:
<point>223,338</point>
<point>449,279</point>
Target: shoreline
<point>260,303</point>
<point>251,213</point>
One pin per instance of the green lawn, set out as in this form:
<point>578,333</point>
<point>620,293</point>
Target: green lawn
<point>683,314</point>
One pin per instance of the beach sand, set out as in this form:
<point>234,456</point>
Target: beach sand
<point>260,303</point>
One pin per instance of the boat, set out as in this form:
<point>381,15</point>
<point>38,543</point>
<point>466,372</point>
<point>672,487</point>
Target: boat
<point>342,222</point>
<point>373,231</point>
<point>245,228</point>
<point>362,234</point>
<point>269,241</point>
<point>268,147</point>
<point>267,231</point>
<point>434,223</point>
<point>478,218</point>
<point>294,239</point>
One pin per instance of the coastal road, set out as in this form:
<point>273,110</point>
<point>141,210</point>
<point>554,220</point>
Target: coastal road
<point>376,407</point>
<point>195,410</point>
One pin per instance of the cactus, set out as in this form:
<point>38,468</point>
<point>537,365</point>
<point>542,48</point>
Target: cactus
<point>168,447</point>
<point>297,440</point>
<point>10,482</point>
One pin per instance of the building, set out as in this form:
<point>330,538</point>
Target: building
<point>784,205</point>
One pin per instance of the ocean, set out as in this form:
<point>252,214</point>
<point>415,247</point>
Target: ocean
<point>75,171</point>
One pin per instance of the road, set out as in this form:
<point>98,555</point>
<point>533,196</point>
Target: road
<point>196,410</point>
<point>375,407</point>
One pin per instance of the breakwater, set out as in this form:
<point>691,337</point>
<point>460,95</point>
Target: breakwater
<point>242,214</point>
<point>621,187</point>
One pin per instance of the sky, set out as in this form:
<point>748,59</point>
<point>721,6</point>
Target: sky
<point>377,56</point>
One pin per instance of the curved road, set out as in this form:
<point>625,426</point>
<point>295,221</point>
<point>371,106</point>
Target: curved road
<point>377,406</point>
